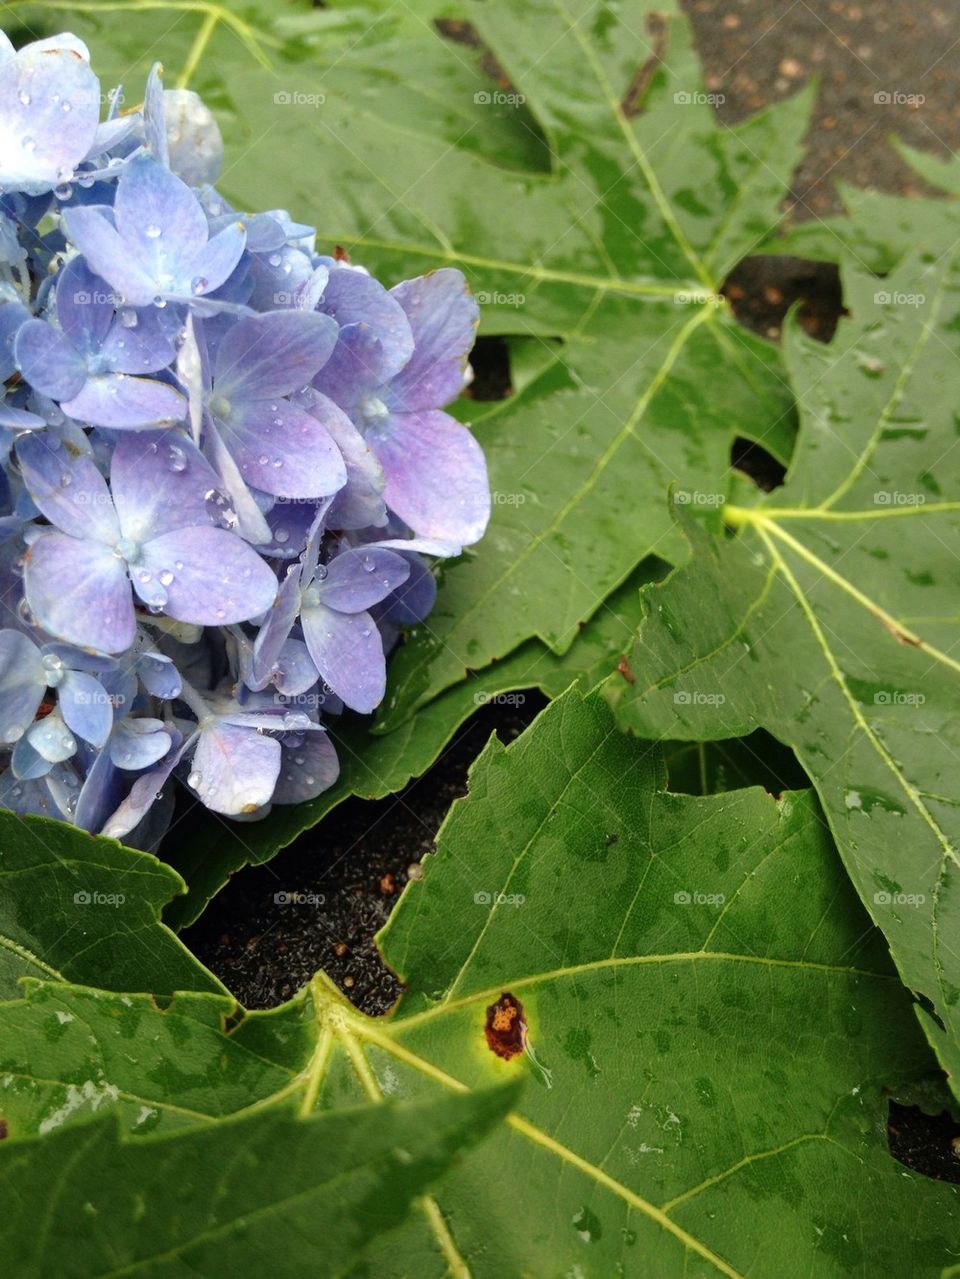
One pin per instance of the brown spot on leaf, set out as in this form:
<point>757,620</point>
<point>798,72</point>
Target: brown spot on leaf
<point>506,1028</point>
<point>340,254</point>
<point>633,99</point>
<point>623,668</point>
<point>4,1130</point>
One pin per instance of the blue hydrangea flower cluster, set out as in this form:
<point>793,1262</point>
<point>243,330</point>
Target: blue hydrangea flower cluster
<point>224,456</point>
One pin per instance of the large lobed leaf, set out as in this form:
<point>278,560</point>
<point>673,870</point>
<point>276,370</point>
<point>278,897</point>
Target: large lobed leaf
<point>85,909</point>
<point>713,1032</point>
<point>831,618</point>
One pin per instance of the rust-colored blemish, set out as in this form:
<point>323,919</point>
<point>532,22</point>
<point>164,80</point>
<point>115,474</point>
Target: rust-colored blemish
<point>623,668</point>
<point>506,1027</point>
<point>4,1130</point>
<point>340,254</point>
<point>901,636</point>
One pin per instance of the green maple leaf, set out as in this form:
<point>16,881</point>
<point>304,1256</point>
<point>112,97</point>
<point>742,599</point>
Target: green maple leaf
<point>712,1032</point>
<point>831,618</point>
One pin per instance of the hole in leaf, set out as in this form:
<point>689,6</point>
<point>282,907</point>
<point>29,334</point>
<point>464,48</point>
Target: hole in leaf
<point>754,460</point>
<point>490,359</point>
<point>762,289</point>
<point>928,1144</point>
<point>710,768</point>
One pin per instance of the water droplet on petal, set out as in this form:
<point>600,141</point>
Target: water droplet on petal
<point>165,578</point>
<point>153,231</point>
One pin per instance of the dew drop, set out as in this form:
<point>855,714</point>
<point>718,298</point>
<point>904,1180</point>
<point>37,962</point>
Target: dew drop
<point>153,231</point>
<point>166,579</point>
<point>24,97</point>
<point>129,318</point>
<point>281,536</point>
<point>194,780</point>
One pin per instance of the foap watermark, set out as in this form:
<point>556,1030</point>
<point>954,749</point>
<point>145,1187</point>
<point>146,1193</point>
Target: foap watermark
<point>501,299</point>
<point>897,98</point>
<point>499,699</point>
<point>83,297</point>
<point>498,899</point>
<point>883,298</point>
<point>895,697</point>
<point>899,899</point>
<point>85,898</point>
<point>894,497</point>
<point>694,497</point>
<point>294,897</point>
<point>685,898</point>
<point>698,297</point>
<point>508,499</point>
<point>697,98</point>
<point>296,301</point>
<point>297,98</point>
<point>698,699</point>
<point>498,98</point>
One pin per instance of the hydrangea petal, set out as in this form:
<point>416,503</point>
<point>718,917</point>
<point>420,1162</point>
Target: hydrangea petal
<point>159,675</point>
<point>375,336</point>
<point>436,475</point>
<point>160,482</point>
<point>69,490</point>
<point>213,263</point>
<point>85,707</point>
<point>138,743</point>
<point>272,354</point>
<point>308,767</point>
<point>283,450</point>
<point>79,591</point>
<point>443,316</point>
<point>51,738</point>
<point>347,651</point>
<point>215,577</point>
<point>361,577</point>
<point>235,768</point>
<point>49,110</point>
<point>48,361</point>
<point>276,629</point>
<point>118,401</point>
<point>107,255</point>
<point>22,684</point>
<point>159,219</point>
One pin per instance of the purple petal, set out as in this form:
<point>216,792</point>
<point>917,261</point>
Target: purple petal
<point>357,579</point>
<point>235,769</point>
<point>275,629</point>
<point>359,504</point>
<point>443,316</point>
<point>143,341</point>
<point>49,108</point>
<point>375,336</point>
<point>295,673</point>
<point>13,315</point>
<point>143,794</point>
<point>414,600</point>
<point>308,767</point>
<point>99,795</point>
<point>347,651</point>
<point>69,490</point>
<point>273,354</point>
<point>85,707</point>
<point>159,219</point>
<point>107,254</point>
<point>283,450</point>
<point>250,521</point>
<point>48,361</point>
<point>79,591</point>
<point>436,475</point>
<point>160,481</point>
<point>159,675</point>
<point>211,265</point>
<point>137,743</point>
<point>84,309</point>
<point>23,681</point>
<point>26,762</point>
<point>51,739</point>
<point>215,578</point>
<point>119,401</point>
<point>289,524</point>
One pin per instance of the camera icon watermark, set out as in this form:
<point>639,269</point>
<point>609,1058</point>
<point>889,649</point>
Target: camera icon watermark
<point>693,497</point>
